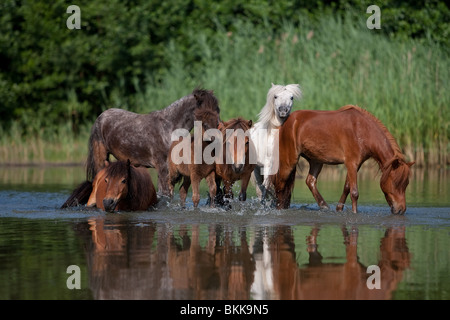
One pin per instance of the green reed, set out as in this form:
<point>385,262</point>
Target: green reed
<point>336,62</point>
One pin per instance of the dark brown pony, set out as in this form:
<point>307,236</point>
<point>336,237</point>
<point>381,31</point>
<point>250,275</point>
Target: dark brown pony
<point>236,147</point>
<point>119,186</point>
<point>192,172</point>
<point>144,139</point>
<point>350,136</point>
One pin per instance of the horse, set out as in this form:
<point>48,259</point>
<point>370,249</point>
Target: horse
<point>349,136</point>
<point>144,139</point>
<point>190,171</point>
<point>264,133</point>
<point>235,164</point>
<point>120,186</point>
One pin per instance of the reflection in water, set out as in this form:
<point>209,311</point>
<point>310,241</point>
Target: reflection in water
<point>158,261</point>
<point>318,280</point>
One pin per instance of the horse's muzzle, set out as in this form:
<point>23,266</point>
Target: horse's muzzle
<point>109,205</point>
<point>238,168</point>
<point>395,209</point>
<point>283,112</point>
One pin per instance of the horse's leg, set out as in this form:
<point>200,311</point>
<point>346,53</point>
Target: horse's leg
<point>195,189</point>
<point>228,189</point>
<point>163,174</point>
<point>100,156</point>
<point>211,180</point>
<point>184,190</point>
<point>352,173</point>
<point>244,185</point>
<point>260,189</point>
<point>283,190</point>
<point>311,182</point>
<point>173,177</point>
<point>344,195</point>
<point>219,193</point>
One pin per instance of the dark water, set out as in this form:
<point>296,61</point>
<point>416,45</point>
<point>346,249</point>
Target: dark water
<point>248,252</point>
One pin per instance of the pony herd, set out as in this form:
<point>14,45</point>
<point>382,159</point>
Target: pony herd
<point>270,149</point>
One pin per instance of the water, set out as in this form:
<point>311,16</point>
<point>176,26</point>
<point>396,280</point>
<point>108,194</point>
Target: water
<point>248,252</point>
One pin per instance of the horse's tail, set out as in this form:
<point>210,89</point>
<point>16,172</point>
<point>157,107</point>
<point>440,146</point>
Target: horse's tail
<point>96,152</point>
<point>79,196</point>
<point>90,162</point>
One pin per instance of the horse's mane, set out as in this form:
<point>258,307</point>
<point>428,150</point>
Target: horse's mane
<point>207,116</point>
<point>138,186</point>
<point>267,113</point>
<point>397,151</point>
<point>203,99</point>
<point>236,123</point>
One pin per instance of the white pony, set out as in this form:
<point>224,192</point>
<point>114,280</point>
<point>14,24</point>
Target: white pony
<point>264,133</point>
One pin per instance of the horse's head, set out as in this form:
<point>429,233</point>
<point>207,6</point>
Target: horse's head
<point>279,103</point>
<point>117,181</point>
<point>236,143</point>
<point>393,183</point>
<point>210,118</point>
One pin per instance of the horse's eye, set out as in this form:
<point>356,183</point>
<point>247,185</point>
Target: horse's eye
<point>276,97</point>
<point>292,98</point>
<point>106,180</point>
<point>124,180</point>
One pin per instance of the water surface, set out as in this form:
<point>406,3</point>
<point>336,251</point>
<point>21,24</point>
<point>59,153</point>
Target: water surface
<point>249,252</point>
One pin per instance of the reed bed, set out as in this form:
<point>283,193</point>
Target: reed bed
<point>337,61</point>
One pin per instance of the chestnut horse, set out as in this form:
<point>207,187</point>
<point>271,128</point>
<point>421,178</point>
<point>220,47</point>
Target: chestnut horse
<point>190,171</point>
<point>144,138</point>
<point>350,135</point>
<point>236,163</point>
<point>121,186</point>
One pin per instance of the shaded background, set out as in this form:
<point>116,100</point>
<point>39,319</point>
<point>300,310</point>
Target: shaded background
<point>143,55</point>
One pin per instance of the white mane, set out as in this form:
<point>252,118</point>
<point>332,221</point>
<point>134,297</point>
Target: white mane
<point>267,118</point>
<point>264,133</point>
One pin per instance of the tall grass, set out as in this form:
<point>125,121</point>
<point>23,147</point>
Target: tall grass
<point>336,62</point>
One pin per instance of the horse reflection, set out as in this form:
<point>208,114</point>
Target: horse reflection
<point>348,280</point>
<point>155,262</point>
<point>151,260</point>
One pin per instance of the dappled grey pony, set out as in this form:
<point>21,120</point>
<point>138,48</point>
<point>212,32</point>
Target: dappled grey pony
<point>144,139</point>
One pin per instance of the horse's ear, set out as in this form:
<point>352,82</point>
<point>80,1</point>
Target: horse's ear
<point>273,84</point>
<point>221,126</point>
<point>410,164</point>
<point>250,123</point>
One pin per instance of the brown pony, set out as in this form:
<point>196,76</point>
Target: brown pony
<point>121,186</point>
<point>192,172</point>
<point>237,145</point>
<point>350,136</point>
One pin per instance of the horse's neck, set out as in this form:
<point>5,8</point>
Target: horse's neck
<point>382,150</point>
<point>180,113</point>
<point>275,123</point>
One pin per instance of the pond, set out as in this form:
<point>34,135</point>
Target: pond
<point>248,252</point>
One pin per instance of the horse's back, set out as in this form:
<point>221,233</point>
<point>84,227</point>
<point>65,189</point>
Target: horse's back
<point>329,136</point>
<point>331,122</point>
<point>133,136</point>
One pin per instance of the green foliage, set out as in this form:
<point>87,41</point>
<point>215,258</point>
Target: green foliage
<point>142,55</point>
